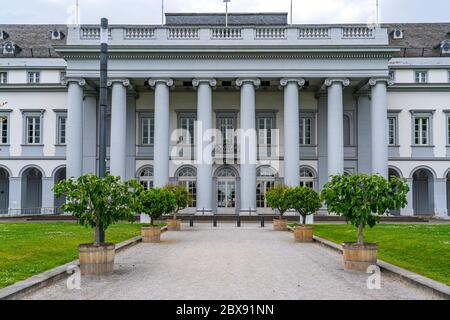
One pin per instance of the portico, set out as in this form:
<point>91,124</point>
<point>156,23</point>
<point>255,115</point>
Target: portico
<point>229,112</point>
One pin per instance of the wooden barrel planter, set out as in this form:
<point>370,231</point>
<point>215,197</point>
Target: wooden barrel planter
<point>96,259</point>
<point>303,234</point>
<point>173,224</point>
<point>280,224</point>
<point>359,256</point>
<point>151,234</point>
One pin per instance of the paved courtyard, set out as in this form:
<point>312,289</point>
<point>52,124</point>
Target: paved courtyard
<point>230,263</point>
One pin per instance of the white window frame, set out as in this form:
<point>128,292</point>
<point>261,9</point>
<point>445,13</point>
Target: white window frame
<point>148,140</point>
<point>394,120</point>
<point>418,76</point>
<point>420,134</point>
<point>304,139</point>
<point>59,136</point>
<point>34,77</point>
<point>4,131</point>
<point>265,134</point>
<point>186,127</point>
<point>27,116</point>
<point>3,77</point>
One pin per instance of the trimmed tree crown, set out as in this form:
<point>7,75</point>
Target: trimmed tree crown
<point>304,200</point>
<point>362,198</point>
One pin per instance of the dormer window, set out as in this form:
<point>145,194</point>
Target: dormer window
<point>34,77</point>
<point>3,77</point>
<point>421,76</point>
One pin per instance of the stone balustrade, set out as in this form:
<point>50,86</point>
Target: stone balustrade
<point>245,35</point>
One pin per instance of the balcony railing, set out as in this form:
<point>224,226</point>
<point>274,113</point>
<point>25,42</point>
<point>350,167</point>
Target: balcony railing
<point>276,35</point>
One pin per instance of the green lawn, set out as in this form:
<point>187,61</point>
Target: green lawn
<point>424,249</point>
<point>27,249</point>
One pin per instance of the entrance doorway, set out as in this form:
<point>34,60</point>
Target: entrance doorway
<point>32,191</point>
<point>226,190</point>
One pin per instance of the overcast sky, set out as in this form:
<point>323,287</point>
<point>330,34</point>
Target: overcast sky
<point>149,11</point>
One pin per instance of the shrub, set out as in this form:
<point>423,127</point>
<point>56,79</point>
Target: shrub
<point>304,200</point>
<point>277,199</point>
<point>182,197</point>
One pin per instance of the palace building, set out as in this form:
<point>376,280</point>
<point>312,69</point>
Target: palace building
<point>226,111</point>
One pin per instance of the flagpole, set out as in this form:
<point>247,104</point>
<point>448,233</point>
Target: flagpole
<point>78,13</point>
<point>226,12</point>
<point>162,12</point>
<point>291,12</point>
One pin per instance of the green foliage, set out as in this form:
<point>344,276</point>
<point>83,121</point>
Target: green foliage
<point>182,196</point>
<point>277,199</point>
<point>363,198</point>
<point>155,202</point>
<point>96,202</point>
<point>304,200</point>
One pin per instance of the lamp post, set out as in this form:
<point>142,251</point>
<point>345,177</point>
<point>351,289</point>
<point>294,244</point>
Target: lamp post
<point>99,232</point>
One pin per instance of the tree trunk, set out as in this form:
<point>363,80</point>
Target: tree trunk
<point>360,234</point>
<point>99,235</point>
<point>304,219</point>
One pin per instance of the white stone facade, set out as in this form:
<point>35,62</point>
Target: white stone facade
<point>323,94</point>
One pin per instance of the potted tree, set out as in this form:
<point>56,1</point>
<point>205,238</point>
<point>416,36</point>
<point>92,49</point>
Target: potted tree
<point>183,198</point>
<point>277,199</point>
<point>306,202</point>
<point>96,203</point>
<point>362,199</point>
<point>154,202</point>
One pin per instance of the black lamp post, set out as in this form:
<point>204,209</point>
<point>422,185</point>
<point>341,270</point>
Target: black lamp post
<point>100,233</point>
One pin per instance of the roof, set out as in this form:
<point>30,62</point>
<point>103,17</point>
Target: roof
<point>234,19</point>
<point>420,39</point>
<point>34,40</point>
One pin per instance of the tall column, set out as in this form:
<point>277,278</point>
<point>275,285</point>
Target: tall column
<point>118,153</point>
<point>90,133</point>
<point>364,133</point>
<point>378,117</point>
<point>74,151</point>
<point>248,148</point>
<point>162,115</point>
<point>131,136</point>
<point>336,125</point>
<point>291,130</point>
<point>204,144</point>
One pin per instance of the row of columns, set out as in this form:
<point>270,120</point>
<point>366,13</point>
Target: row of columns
<point>292,87</point>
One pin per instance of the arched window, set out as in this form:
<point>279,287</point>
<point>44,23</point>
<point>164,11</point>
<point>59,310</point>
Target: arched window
<point>187,177</point>
<point>307,178</point>
<point>146,177</point>
<point>265,180</point>
<point>226,173</point>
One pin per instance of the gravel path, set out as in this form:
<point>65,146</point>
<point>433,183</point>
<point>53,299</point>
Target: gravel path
<point>230,263</point>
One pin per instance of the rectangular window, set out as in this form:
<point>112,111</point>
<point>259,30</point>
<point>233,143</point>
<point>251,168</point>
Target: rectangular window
<point>422,131</point>
<point>33,129</point>
<point>187,130</point>
<point>265,126</point>
<point>3,77</point>
<point>226,127</point>
<point>392,131</point>
<point>61,127</point>
<point>3,129</point>
<point>34,77</point>
<point>421,77</point>
<point>448,130</point>
<point>148,131</point>
<point>305,131</point>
